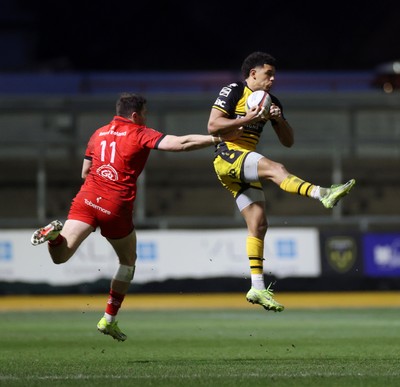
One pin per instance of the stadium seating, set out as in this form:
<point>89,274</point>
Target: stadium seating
<point>338,136</point>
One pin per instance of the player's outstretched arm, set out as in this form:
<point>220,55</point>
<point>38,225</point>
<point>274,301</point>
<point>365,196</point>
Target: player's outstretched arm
<point>194,141</point>
<point>186,143</point>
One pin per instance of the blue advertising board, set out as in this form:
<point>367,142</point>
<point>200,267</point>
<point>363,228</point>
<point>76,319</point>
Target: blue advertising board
<point>381,254</point>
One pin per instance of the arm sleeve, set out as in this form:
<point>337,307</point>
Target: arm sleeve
<point>150,138</point>
<point>89,149</point>
<point>228,98</point>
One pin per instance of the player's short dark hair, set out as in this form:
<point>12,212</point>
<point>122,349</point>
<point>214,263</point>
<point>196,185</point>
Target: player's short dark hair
<point>128,103</point>
<point>256,59</point>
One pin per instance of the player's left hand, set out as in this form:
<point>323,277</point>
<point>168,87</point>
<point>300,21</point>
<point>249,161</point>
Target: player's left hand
<point>275,112</point>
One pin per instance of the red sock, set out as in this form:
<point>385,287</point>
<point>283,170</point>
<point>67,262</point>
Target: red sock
<point>114,302</point>
<point>56,242</point>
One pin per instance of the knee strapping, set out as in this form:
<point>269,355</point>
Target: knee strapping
<point>124,273</point>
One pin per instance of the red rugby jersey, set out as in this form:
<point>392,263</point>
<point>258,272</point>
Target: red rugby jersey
<point>119,152</point>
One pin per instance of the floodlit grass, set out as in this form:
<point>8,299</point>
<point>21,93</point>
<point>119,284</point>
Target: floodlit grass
<point>349,347</point>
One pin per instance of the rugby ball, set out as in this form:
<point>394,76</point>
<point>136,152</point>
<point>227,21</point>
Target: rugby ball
<point>259,98</point>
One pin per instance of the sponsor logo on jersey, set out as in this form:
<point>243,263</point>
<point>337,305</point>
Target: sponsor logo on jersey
<point>108,172</point>
<point>113,133</point>
<point>219,102</point>
<point>225,91</point>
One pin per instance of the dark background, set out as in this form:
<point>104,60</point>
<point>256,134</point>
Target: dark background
<point>48,35</point>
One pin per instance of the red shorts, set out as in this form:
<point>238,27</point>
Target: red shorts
<point>115,220</point>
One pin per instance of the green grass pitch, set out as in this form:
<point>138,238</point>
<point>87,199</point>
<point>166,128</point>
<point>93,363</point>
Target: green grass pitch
<point>330,347</point>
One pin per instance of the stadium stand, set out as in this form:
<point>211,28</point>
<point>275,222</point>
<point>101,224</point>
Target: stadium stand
<point>340,133</point>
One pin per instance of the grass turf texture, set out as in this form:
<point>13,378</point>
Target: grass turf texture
<point>331,347</point>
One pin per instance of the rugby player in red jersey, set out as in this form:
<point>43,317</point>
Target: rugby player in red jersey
<point>115,156</point>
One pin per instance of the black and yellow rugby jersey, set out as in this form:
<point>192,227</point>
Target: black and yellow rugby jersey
<point>232,101</point>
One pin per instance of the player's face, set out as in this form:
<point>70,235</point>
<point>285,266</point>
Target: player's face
<point>263,77</point>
